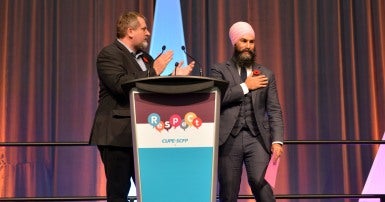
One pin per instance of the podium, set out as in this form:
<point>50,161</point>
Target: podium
<point>175,122</point>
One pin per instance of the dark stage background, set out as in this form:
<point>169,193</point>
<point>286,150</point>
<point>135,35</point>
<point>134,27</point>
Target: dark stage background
<point>328,56</point>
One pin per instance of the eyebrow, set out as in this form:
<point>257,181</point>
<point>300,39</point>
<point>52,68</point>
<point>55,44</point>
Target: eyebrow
<point>251,40</point>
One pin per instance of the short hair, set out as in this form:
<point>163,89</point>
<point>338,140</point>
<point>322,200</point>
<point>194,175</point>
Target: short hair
<point>127,20</point>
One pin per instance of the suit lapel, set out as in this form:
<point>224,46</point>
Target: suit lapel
<point>233,69</point>
<point>130,57</point>
<point>147,59</point>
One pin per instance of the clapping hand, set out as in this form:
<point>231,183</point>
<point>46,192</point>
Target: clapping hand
<point>183,71</point>
<point>162,61</point>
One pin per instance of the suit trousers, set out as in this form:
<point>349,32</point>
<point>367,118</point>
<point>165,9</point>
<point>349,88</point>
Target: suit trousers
<point>119,168</point>
<point>246,149</point>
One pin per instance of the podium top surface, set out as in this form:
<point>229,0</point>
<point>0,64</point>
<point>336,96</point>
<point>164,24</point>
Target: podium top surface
<point>176,84</point>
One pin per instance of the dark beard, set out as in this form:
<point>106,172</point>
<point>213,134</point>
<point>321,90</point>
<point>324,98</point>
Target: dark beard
<point>244,61</point>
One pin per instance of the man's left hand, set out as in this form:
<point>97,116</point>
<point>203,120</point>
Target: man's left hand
<point>277,151</point>
<point>183,71</point>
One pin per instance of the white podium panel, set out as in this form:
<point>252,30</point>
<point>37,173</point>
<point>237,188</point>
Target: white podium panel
<point>175,140</point>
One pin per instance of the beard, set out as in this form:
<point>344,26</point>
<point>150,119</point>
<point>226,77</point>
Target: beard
<point>145,44</point>
<point>142,45</point>
<point>244,58</point>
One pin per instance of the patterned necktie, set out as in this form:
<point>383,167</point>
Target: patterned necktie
<point>243,73</point>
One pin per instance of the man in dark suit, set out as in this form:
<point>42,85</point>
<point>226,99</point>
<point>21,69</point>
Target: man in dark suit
<point>118,63</point>
<point>251,125</point>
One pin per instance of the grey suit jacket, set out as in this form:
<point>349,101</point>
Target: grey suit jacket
<point>112,122</point>
<point>267,110</point>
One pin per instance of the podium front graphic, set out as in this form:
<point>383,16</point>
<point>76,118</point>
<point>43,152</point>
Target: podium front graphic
<point>175,136</point>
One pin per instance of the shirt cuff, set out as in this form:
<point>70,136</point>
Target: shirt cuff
<point>277,142</point>
<point>245,89</point>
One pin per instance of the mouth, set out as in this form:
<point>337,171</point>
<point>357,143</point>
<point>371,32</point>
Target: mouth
<point>246,53</point>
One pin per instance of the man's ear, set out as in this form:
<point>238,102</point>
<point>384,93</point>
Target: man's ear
<point>130,32</point>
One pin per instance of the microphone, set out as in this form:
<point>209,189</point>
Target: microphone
<point>163,48</point>
<point>191,57</point>
<point>176,64</point>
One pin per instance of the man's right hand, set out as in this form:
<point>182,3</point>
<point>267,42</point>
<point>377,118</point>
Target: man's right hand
<point>255,82</point>
<point>162,61</point>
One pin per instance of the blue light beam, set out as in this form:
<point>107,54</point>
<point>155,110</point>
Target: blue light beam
<point>168,30</point>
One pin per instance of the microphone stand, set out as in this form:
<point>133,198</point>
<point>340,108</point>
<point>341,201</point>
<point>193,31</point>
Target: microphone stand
<point>191,57</point>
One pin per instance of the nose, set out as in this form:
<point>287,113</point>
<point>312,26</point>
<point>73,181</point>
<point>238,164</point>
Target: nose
<point>248,45</point>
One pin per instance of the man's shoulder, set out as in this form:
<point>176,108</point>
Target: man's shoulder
<point>110,50</point>
<point>223,64</point>
<point>264,68</point>
<point>266,71</point>
<point>111,47</point>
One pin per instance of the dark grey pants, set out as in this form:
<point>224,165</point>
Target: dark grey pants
<point>236,151</point>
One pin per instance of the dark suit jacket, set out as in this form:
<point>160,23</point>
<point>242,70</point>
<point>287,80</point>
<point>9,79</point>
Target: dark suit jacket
<point>112,122</point>
<point>267,109</point>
